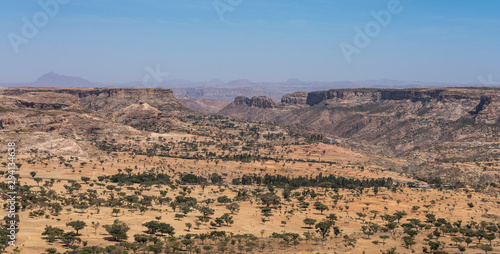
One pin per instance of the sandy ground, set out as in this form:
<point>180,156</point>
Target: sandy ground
<point>448,204</point>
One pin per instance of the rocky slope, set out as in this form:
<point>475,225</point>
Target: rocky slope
<point>42,116</point>
<point>422,125</point>
<point>145,117</point>
<point>297,98</point>
<point>258,101</point>
<point>106,99</point>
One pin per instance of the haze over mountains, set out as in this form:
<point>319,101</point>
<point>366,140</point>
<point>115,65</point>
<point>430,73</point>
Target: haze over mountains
<point>219,90</point>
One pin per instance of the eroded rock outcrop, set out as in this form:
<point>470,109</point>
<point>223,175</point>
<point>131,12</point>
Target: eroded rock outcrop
<point>143,114</point>
<point>297,98</point>
<point>360,96</point>
<point>98,99</point>
<point>398,119</point>
<point>258,101</point>
<point>423,126</point>
<point>90,112</point>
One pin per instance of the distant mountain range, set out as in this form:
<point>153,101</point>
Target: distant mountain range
<point>226,91</point>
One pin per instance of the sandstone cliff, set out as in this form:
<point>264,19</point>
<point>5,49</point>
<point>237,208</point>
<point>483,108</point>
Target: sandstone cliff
<point>102,99</point>
<point>297,98</point>
<point>258,101</point>
<point>51,119</point>
<point>420,125</point>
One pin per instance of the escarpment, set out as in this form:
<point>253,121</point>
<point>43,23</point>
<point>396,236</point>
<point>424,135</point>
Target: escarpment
<point>97,99</point>
<point>398,119</point>
<point>258,101</point>
<point>297,98</point>
<point>418,125</point>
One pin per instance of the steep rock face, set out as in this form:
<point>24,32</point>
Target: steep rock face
<point>34,100</point>
<point>429,128</point>
<point>242,101</point>
<point>263,102</point>
<point>47,101</point>
<point>98,99</point>
<point>297,98</point>
<point>258,101</point>
<point>62,120</point>
<point>488,111</point>
<point>398,119</point>
<point>116,99</point>
<point>362,96</point>
<point>88,111</point>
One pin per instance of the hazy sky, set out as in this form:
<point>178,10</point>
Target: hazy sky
<point>273,40</point>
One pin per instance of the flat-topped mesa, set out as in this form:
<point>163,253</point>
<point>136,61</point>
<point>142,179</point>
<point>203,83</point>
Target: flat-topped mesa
<point>360,96</point>
<point>107,99</point>
<point>114,99</point>
<point>136,93</point>
<point>258,101</point>
<point>84,92</point>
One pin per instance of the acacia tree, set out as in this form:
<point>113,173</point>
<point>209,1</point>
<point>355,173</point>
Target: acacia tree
<point>82,207</point>
<point>309,222</point>
<point>165,228</point>
<point>399,215</point>
<point>336,231</point>
<point>85,179</point>
<point>152,226</point>
<point>70,238</point>
<point>490,237</point>
<point>228,219</point>
<point>77,225</point>
<point>324,228</point>
<point>233,208</point>
<point>270,199</point>
<point>223,199</point>
<point>206,211</point>
<point>115,211</point>
<point>461,248</point>
<point>266,212</point>
<point>320,207</point>
<point>156,248</point>
<point>56,208</point>
<point>38,180</point>
<point>409,241</point>
<point>118,230</point>
<point>332,218</point>
<point>384,237</point>
<point>486,248</point>
<point>129,171</point>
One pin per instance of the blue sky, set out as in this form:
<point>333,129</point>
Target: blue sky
<point>115,40</point>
